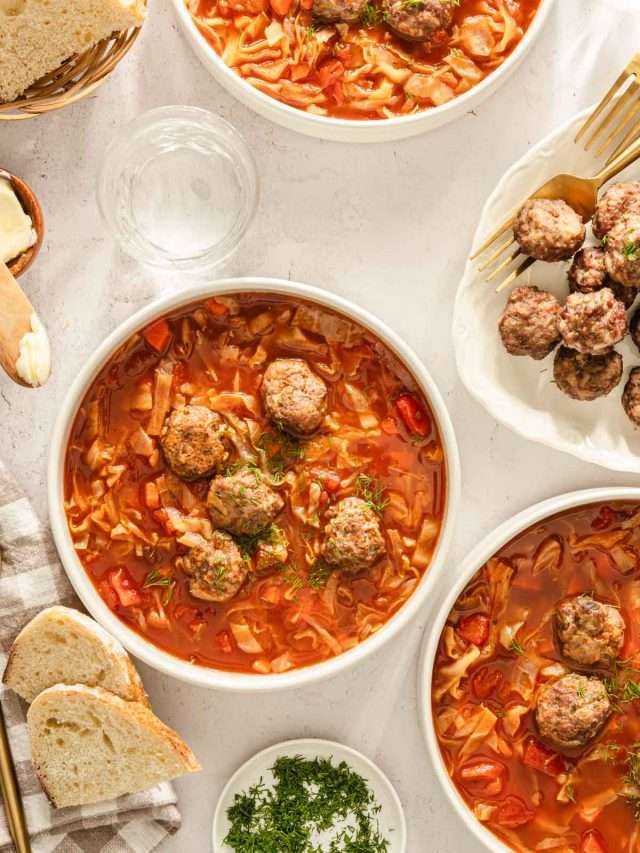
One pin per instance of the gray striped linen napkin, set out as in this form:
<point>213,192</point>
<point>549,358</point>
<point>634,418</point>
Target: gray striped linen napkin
<point>32,578</point>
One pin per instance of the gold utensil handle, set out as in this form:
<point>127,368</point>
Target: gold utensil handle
<point>11,794</point>
<point>629,156</point>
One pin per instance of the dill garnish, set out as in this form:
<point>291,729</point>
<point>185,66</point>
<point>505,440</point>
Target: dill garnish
<point>631,250</point>
<point>516,647</point>
<point>156,578</point>
<point>248,542</point>
<point>371,15</point>
<point>308,797</point>
<point>371,492</point>
<point>282,451</point>
<point>319,574</point>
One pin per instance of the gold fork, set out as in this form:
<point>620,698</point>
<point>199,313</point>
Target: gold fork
<point>626,110</point>
<point>579,193</point>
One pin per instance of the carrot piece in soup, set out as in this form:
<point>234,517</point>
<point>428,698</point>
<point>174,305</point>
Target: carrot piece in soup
<point>484,776</point>
<point>474,628</point>
<point>414,416</point>
<point>216,308</point>
<point>108,594</point>
<point>158,336</point>
<point>280,7</point>
<point>151,495</point>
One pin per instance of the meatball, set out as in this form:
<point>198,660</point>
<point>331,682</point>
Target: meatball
<point>216,568</point>
<point>634,328</point>
<point>339,11</point>
<point>549,230</point>
<point>242,502</point>
<point>631,396</point>
<point>593,322</point>
<point>529,323</point>
<point>572,710</point>
<point>589,272</point>
<point>193,442</point>
<point>615,203</point>
<point>622,253</point>
<point>294,397</point>
<point>418,20</point>
<point>589,632</point>
<point>353,539</point>
<point>586,377</point>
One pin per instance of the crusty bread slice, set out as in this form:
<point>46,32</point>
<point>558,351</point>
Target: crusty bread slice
<point>61,645</point>
<point>36,36</point>
<point>88,745</point>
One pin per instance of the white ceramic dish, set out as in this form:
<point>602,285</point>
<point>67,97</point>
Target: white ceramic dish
<point>475,560</point>
<point>137,645</point>
<point>348,130</point>
<point>519,392</point>
<point>392,820</point>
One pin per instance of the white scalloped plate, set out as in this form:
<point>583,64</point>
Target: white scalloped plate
<point>518,392</point>
<point>391,818</point>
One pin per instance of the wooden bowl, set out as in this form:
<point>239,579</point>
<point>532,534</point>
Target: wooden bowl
<point>76,78</point>
<point>30,205</point>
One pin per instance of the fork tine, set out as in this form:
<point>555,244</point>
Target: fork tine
<point>504,264</point>
<point>630,137</point>
<point>495,255</point>
<point>515,274</point>
<point>603,105</point>
<point>490,240</point>
<point>628,116</point>
<point>622,102</point>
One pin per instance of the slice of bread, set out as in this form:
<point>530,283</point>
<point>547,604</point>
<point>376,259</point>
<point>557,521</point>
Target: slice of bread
<point>61,645</point>
<point>36,36</point>
<point>88,745</point>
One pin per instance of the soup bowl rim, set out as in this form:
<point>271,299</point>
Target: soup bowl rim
<point>142,648</point>
<point>356,130</point>
<point>478,556</point>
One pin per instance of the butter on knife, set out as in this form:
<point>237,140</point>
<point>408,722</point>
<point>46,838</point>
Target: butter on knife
<point>16,228</point>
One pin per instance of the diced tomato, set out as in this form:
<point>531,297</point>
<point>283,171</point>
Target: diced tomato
<point>329,73</point>
<point>151,495</point>
<point>388,426</point>
<point>604,518</point>
<point>414,416</point>
<point>218,309</point>
<point>474,628</point>
<point>512,813</point>
<point>483,776</point>
<point>158,335</point>
<point>163,520</point>
<point>224,641</point>
<point>108,594</point>
<point>331,483</point>
<point>281,7</point>
<point>484,681</point>
<point>125,587</point>
<point>592,842</point>
<point>540,758</point>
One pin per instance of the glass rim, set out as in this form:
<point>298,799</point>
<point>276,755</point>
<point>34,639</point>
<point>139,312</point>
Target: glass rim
<point>241,159</point>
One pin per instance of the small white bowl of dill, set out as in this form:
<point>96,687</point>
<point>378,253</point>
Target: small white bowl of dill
<point>309,796</point>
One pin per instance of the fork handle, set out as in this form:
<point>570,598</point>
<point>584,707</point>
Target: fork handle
<point>628,156</point>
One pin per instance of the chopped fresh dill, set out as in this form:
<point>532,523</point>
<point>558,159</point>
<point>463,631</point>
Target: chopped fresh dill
<point>631,250</point>
<point>232,468</point>
<point>319,574</point>
<point>282,451</point>
<point>516,647</point>
<point>371,15</point>
<point>580,690</point>
<point>631,691</point>
<point>156,578</point>
<point>309,797</point>
<point>371,492</point>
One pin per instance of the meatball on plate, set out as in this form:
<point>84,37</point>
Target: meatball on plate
<point>566,393</point>
<point>265,500</point>
<point>528,679</point>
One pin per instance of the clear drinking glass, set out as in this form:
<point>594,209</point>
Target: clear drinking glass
<point>178,188</point>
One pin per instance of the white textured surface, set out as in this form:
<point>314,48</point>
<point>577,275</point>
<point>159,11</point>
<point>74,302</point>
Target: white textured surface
<point>387,226</point>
